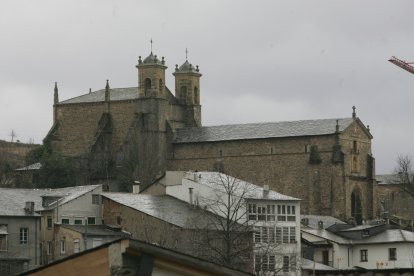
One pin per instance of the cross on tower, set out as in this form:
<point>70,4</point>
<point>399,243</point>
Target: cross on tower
<point>186,54</point>
<point>151,45</point>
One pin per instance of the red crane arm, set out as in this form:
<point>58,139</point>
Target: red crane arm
<point>404,65</point>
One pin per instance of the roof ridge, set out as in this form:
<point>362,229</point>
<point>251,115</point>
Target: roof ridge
<point>269,122</point>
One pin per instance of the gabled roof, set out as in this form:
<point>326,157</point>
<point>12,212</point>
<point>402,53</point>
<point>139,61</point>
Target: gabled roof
<point>260,130</point>
<point>313,220</point>
<point>32,167</point>
<point>163,207</point>
<point>218,181</point>
<point>116,94</point>
<point>387,236</point>
<point>13,200</point>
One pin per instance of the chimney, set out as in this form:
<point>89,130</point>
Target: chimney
<point>135,187</point>
<point>29,207</point>
<point>265,190</point>
<point>190,193</point>
<point>320,225</point>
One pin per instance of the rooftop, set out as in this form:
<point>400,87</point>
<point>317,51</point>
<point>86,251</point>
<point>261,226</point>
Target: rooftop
<point>219,181</point>
<point>115,94</point>
<point>13,200</point>
<point>260,130</point>
<point>388,179</point>
<point>313,221</point>
<point>163,207</point>
<point>94,230</point>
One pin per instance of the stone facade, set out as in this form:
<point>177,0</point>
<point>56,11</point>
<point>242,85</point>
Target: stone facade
<point>332,172</point>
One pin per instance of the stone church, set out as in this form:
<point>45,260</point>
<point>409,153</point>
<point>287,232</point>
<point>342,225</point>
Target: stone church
<point>327,163</point>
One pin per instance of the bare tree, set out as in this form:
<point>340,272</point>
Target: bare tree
<point>224,234</point>
<point>140,161</point>
<point>405,171</point>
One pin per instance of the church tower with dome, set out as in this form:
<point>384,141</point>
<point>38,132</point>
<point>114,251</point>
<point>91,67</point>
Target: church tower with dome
<point>100,129</point>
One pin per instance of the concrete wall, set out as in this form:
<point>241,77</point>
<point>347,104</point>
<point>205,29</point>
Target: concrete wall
<point>30,250</point>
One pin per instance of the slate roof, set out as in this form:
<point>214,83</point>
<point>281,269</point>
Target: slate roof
<point>13,200</point>
<point>311,265</point>
<point>313,221</point>
<point>216,180</point>
<point>387,236</point>
<point>260,130</point>
<point>94,230</point>
<point>163,207</point>
<point>388,179</point>
<point>116,94</point>
<point>32,167</point>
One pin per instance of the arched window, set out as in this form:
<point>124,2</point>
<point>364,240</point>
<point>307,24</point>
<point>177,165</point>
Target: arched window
<point>355,147</point>
<point>160,83</point>
<point>147,85</point>
<point>183,93</point>
<point>196,95</point>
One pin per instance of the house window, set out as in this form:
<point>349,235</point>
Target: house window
<point>286,213</point>
<point>49,222</point>
<point>24,234</point>
<point>261,213</point>
<point>285,264</point>
<point>63,246</point>
<point>65,221</point>
<point>264,262</point>
<point>76,246</point>
<point>325,257</point>
<point>78,221</point>
<point>91,220</point>
<point>392,254</point>
<point>49,248</point>
<point>257,235</point>
<point>292,234</point>
<point>364,255</point>
<point>95,199</point>
<point>252,212</point>
<point>3,237</point>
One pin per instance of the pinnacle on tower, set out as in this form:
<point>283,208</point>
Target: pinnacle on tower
<point>56,94</point>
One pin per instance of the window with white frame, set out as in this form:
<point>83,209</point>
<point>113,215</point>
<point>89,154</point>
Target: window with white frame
<point>392,254</point>
<point>76,246</point>
<point>78,221</point>
<point>261,212</point>
<point>264,263</point>
<point>364,255</point>
<point>24,235</point>
<point>91,221</point>
<point>95,199</point>
<point>65,220</point>
<point>286,213</point>
<point>276,234</point>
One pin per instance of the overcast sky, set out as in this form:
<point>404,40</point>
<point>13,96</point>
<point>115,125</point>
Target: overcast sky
<point>261,60</point>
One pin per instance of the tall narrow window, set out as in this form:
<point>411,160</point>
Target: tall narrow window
<point>355,164</point>
<point>147,85</point>
<point>183,93</point>
<point>49,222</point>
<point>160,85</point>
<point>285,263</point>
<point>24,235</point>
<point>76,246</point>
<point>364,255</point>
<point>196,95</point>
<point>392,254</point>
<point>355,147</point>
<point>63,246</point>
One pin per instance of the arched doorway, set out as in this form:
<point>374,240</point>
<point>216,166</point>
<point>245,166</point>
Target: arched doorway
<point>356,207</point>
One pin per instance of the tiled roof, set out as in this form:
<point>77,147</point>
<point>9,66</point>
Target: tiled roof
<point>163,207</point>
<point>218,181</point>
<point>116,94</point>
<point>13,200</point>
<point>35,166</point>
<point>260,130</point>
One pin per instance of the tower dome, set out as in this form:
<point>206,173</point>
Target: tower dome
<point>186,68</point>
